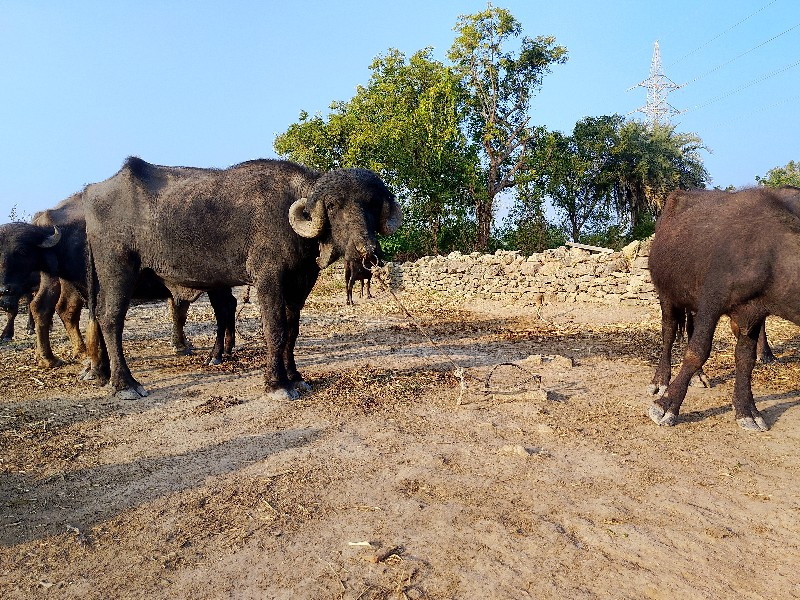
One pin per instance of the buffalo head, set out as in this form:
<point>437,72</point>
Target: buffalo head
<point>23,251</point>
<point>344,212</point>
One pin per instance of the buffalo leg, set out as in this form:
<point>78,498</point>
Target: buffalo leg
<point>293,330</point>
<point>369,295</point>
<point>273,322</point>
<point>178,310</point>
<point>763,351</point>
<point>31,326</point>
<point>230,325</point>
<point>671,317</point>
<point>117,281</point>
<point>699,379</point>
<point>43,307</point>
<point>665,409</point>
<point>97,370</point>
<point>747,415</point>
<point>8,330</point>
<point>349,280</point>
<point>69,308</point>
<point>224,304</point>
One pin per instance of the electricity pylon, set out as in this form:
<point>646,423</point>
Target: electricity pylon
<point>657,110</point>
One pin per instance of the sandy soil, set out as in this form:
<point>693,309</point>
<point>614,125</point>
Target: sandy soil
<point>541,477</point>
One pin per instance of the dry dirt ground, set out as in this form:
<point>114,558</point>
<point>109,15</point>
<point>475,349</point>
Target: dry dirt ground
<point>391,481</point>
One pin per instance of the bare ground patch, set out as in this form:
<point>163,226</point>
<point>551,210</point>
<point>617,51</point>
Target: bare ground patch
<point>379,484</point>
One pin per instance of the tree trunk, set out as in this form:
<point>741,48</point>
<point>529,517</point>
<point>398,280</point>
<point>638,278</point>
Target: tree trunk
<point>483,218</point>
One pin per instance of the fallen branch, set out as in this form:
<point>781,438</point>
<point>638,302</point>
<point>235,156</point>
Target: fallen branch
<point>590,248</point>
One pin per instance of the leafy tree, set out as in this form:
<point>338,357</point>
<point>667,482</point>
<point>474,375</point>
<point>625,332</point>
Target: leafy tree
<point>501,84</point>
<point>575,173</point>
<point>779,176</point>
<point>404,124</point>
<point>651,162</point>
<point>526,227</point>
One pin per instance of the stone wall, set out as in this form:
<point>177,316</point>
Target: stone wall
<point>560,275</point>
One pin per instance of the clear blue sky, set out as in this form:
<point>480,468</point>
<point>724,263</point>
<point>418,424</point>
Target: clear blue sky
<point>210,84</point>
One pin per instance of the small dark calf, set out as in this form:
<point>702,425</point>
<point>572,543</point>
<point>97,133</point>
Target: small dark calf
<point>356,270</point>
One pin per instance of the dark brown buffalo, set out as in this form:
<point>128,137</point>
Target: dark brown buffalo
<point>356,270</point>
<point>53,248</point>
<point>269,224</point>
<point>717,253</point>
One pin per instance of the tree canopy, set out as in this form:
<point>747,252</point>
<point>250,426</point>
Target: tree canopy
<point>780,176</point>
<point>450,139</point>
<point>405,124</point>
<point>500,83</point>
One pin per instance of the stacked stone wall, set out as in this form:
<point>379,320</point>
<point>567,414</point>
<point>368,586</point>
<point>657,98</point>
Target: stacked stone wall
<point>565,274</point>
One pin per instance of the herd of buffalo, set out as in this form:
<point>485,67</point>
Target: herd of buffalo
<point>151,232</point>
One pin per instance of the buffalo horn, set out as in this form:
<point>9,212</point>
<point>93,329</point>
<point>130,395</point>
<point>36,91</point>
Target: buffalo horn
<point>304,226</point>
<point>51,240</point>
<point>391,218</point>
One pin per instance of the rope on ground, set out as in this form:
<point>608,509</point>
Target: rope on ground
<point>461,372</point>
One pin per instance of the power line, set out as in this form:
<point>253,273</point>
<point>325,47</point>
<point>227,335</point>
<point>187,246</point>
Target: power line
<point>743,87</point>
<point>753,112</point>
<point>725,64</point>
<point>688,54</point>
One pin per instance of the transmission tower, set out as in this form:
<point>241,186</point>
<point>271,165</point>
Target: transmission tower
<point>658,110</point>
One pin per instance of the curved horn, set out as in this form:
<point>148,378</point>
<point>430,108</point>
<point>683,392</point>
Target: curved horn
<point>52,240</point>
<point>391,217</point>
<point>303,226</point>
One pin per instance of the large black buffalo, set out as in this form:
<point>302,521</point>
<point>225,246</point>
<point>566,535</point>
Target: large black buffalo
<point>717,253</point>
<point>271,224</point>
<point>54,248</point>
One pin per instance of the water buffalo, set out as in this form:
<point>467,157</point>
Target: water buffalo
<point>356,270</point>
<point>54,248</point>
<point>717,253</point>
<point>11,306</point>
<point>267,223</point>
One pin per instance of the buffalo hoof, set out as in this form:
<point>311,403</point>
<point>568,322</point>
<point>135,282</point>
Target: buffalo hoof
<point>49,363</point>
<point>130,393</point>
<point>92,375</point>
<point>302,386</point>
<point>659,417</point>
<point>281,395</point>
<point>212,362</point>
<point>5,340</point>
<point>656,390</point>
<point>700,379</point>
<point>753,424</point>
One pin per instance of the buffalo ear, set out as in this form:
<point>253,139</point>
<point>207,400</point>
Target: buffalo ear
<point>391,217</point>
<point>51,240</point>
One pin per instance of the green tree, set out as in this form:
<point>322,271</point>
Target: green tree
<point>780,176</point>
<point>501,84</point>
<point>404,124</point>
<point>575,173</point>
<point>526,227</point>
<point>649,163</point>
